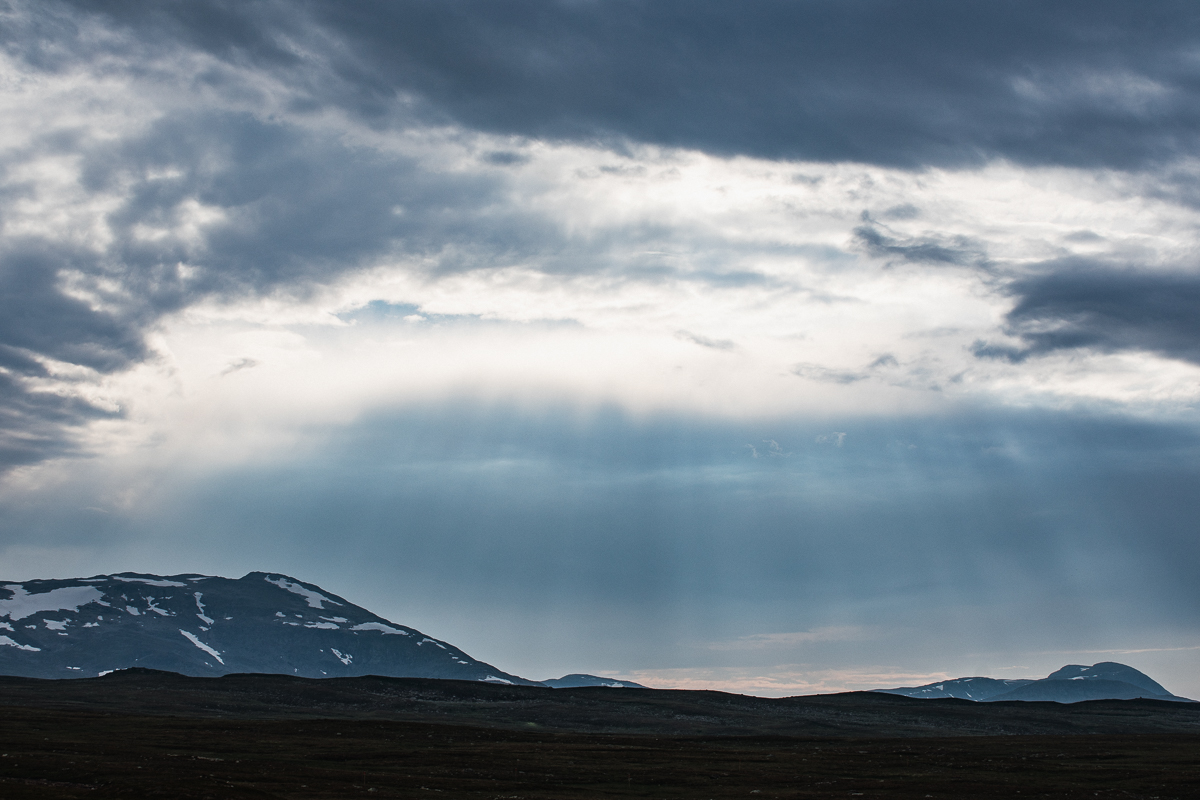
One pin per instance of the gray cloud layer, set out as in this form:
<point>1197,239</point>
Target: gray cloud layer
<point>1109,84</point>
<point>1082,83</point>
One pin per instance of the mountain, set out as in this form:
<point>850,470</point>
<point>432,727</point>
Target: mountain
<point>1073,683</point>
<point>962,688</point>
<point>207,626</point>
<point>1071,692</point>
<point>577,680</point>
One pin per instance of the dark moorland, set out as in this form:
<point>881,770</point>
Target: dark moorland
<point>150,734</point>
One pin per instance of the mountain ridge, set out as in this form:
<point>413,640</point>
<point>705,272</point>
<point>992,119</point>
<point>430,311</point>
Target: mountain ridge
<point>271,623</point>
<point>1074,683</point>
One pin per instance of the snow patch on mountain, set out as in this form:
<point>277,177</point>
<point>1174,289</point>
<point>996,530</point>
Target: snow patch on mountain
<point>148,581</point>
<point>67,598</point>
<point>379,626</point>
<point>29,648</point>
<point>150,606</point>
<point>196,641</point>
<point>314,599</point>
<point>199,605</point>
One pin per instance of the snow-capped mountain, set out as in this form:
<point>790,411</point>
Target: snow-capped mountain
<point>207,626</point>
<point>1073,683</point>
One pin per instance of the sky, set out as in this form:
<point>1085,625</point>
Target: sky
<point>772,347</point>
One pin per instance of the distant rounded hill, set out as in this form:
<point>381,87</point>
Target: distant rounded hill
<point>579,680</point>
<point>1074,683</point>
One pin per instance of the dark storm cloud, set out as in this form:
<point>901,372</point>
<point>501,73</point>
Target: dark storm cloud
<point>38,317</point>
<point>1079,304</point>
<point>36,425</point>
<point>39,322</point>
<point>1083,82</point>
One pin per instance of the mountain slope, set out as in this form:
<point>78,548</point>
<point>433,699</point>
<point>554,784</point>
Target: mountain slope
<point>206,626</point>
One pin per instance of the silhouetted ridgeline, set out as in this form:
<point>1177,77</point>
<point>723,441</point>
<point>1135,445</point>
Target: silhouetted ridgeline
<point>587,709</point>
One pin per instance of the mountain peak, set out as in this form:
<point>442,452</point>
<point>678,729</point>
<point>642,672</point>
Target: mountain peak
<point>1108,671</point>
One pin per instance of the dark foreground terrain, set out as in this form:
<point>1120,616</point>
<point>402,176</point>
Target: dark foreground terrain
<point>160,735</point>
